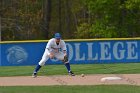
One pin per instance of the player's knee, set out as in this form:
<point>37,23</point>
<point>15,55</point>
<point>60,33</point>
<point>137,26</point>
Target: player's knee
<point>66,62</point>
<point>41,63</point>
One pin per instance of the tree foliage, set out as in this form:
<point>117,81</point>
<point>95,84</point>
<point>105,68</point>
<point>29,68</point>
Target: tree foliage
<point>40,19</point>
<point>21,19</point>
<point>111,18</point>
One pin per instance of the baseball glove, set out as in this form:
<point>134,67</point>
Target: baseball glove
<point>65,58</point>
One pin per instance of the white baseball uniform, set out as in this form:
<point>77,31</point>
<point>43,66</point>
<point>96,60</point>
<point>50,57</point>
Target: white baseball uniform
<point>56,49</point>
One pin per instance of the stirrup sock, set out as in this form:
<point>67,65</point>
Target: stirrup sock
<point>37,68</point>
<point>68,67</point>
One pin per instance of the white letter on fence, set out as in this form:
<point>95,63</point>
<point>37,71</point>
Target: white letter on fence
<point>105,55</point>
<point>132,52</point>
<point>90,52</point>
<point>70,51</point>
<point>77,52</point>
<point>118,50</point>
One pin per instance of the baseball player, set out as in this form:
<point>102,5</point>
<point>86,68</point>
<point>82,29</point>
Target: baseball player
<point>55,48</point>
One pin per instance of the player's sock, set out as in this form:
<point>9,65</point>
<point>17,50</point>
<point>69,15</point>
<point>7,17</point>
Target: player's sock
<point>37,68</point>
<point>68,67</point>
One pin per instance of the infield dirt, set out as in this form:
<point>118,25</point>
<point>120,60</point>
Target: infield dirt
<point>95,79</point>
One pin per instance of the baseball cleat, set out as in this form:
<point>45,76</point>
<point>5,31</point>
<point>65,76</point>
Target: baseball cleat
<point>71,73</point>
<point>34,75</point>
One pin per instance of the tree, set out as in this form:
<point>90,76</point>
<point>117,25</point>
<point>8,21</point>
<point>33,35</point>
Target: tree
<point>47,17</point>
<point>40,19</point>
<point>111,18</point>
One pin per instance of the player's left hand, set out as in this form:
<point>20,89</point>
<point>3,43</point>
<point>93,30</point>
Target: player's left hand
<point>65,58</point>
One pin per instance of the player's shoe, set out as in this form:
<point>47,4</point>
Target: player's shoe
<point>71,73</point>
<point>34,75</point>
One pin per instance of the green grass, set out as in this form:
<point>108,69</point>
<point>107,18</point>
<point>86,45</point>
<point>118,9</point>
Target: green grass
<point>122,68</point>
<point>72,89</point>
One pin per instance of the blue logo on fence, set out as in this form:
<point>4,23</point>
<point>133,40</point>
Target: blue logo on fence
<point>16,55</point>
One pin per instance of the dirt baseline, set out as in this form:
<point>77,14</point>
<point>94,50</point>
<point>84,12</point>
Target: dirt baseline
<point>131,79</point>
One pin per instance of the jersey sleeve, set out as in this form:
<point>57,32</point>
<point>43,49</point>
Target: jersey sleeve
<point>48,46</point>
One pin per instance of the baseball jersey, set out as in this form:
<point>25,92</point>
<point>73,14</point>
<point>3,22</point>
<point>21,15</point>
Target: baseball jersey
<point>55,48</point>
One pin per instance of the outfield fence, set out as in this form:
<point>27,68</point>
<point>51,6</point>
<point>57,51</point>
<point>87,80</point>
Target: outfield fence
<point>87,51</point>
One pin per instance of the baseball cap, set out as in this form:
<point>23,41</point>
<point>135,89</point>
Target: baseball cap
<point>57,35</point>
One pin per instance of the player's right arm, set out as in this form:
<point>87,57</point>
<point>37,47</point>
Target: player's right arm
<point>49,48</point>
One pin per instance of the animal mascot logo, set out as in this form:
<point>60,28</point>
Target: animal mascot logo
<point>16,55</point>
